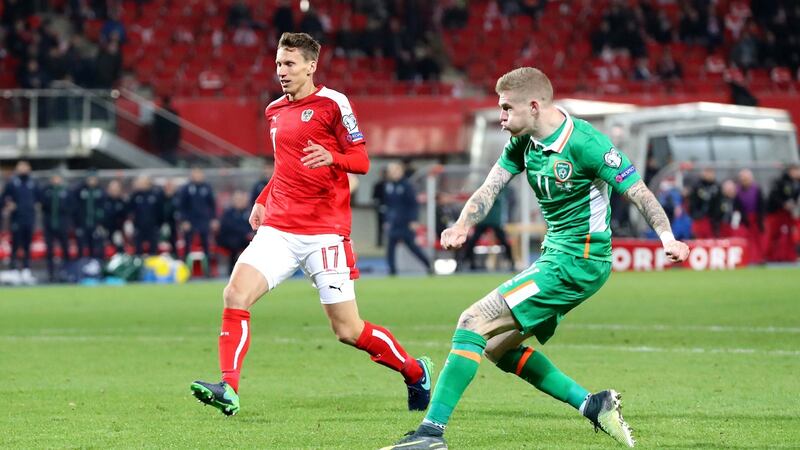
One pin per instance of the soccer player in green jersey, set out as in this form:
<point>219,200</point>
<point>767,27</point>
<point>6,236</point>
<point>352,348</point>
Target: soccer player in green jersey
<point>571,168</point>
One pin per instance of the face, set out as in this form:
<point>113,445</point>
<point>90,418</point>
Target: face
<point>294,71</point>
<point>517,116</point>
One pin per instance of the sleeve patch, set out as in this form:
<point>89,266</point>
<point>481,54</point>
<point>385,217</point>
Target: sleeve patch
<point>612,158</point>
<point>630,170</point>
<point>349,121</point>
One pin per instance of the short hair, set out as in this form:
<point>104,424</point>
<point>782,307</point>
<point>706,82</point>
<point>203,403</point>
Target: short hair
<point>526,80</point>
<point>307,45</point>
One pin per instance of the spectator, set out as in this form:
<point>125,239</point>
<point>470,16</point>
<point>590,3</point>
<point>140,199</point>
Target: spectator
<point>167,131</point>
<point>89,216</point>
<point>146,206</point>
<point>704,204</point>
<point>283,18</point>
<point>455,15</point>
<point>495,220</point>
<point>259,185</point>
<point>115,211</point>
<point>113,30</point>
<point>235,231</point>
<point>600,38</point>
<point>671,199</point>
<point>239,15</point>
<point>379,203</point>
<point>311,24</point>
<point>19,202</point>
<point>54,200</point>
<point>782,211</point>
<point>751,199</point>
<point>744,53</point>
<point>108,65</point>
<point>668,69</point>
<point>733,223</point>
<point>197,209</point>
<point>401,216</point>
<point>169,216</point>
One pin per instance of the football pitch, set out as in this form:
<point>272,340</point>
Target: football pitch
<point>703,360</point>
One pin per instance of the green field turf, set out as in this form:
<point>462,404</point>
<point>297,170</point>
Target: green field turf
<point>704,360</point>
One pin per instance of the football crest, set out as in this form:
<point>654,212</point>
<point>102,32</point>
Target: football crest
<point>612,158</point>
<point>562,170</point>
<point>306,115</point>
<point>349,122</point>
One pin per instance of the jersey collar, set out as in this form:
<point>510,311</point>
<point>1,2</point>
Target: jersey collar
<point>558,140</point>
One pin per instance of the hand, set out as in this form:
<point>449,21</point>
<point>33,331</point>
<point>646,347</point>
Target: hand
<point>316,156</point>
<point>676,251</point>
<point>214,226</point>
<point>186,226</point>
<point>255,216</point>
<point>454,237</point>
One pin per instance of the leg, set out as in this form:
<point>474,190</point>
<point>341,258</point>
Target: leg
<point>390,253</point>
<point>500,233</point>
<point>49,242</point>
<point>408,239</point>
<point>506,351</point>
<point>331,266</point>
<point>27,238</point>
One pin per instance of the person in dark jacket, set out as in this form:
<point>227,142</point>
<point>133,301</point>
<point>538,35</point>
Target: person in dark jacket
<point>261,183</point>
<point>704,205</point>
<point>378,201</point>
<point>401,215</point>
<point>19,199</point>
<point>167,131</point>
<point>235,231</point>
<point>197,210</point>
<point>56,205</point>
<point>89,216</point>
<point>782,211</point>
<point>169,216</point>
<point>145,206</point>
<point>116,212</point>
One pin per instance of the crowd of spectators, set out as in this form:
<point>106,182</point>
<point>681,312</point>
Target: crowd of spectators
<point>48,50</point>
<point>710,209</point>
<point>103,220</point>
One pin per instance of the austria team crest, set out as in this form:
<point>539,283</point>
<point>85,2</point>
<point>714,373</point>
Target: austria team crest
<point>562,170</point>
<point>306,115</point>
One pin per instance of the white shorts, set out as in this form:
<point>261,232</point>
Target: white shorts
<point>327,259</point>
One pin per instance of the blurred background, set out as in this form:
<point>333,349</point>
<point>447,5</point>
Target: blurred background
<point>136,128</point>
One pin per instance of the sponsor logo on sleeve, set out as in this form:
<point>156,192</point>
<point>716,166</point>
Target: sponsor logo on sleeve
<point>350,123</point>
<point>630,170</point>
<point>612,158</point>
<point>353,137</point>
<point>306,115</point>
<point>562,170</point>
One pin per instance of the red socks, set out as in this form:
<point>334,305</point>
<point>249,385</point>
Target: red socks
<point>385,350</point>
<point>234,340</point>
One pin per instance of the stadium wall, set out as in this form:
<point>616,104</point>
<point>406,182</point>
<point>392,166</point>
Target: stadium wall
<point>395,125</point>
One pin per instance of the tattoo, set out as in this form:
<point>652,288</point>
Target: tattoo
<point>481,201</point>
<point>648,205</point>
<point>491,306</point>
<point>466,321</point>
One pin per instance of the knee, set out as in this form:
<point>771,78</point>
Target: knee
<point>494,351</point>
<point>470,320</point>
<point>235,297</point>
<point>347,333</point>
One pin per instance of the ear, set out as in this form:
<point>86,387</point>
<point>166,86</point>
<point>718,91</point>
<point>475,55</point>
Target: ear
<point>312,67</point>
<point>535,107</point>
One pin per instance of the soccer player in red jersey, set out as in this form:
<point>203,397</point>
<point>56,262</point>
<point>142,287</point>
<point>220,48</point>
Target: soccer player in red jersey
<point>302,218</point>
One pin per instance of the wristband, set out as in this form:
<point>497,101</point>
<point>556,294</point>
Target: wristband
<point>666,237</point>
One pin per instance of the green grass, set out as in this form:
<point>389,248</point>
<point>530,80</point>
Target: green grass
<point>704,360</point>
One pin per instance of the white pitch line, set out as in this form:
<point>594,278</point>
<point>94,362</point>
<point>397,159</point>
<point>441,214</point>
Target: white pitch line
<point>644,327</point>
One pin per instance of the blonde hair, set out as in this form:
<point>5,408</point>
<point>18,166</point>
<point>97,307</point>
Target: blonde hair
<point>526,80</point>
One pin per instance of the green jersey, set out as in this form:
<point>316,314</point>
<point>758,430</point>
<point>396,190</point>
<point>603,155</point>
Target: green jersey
<point>572,173</point>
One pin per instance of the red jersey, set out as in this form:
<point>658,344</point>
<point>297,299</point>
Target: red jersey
<point>301,200</point>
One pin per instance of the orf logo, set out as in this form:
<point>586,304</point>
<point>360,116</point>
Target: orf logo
<point>306,115</point>
<point>562,170</point>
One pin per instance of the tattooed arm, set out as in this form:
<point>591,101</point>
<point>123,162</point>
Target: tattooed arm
<point>654,214</point>
<point>476,208</point>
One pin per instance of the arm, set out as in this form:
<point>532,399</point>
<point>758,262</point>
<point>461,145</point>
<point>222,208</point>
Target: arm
<point>353,160</point>
<point>476,207</point>
<point>654,214</point>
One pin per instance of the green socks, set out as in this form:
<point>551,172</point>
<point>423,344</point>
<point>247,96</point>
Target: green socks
<point>536,369</point>
<point>458,372</point>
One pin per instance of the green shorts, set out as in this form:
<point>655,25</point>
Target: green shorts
<point>542,294</point>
